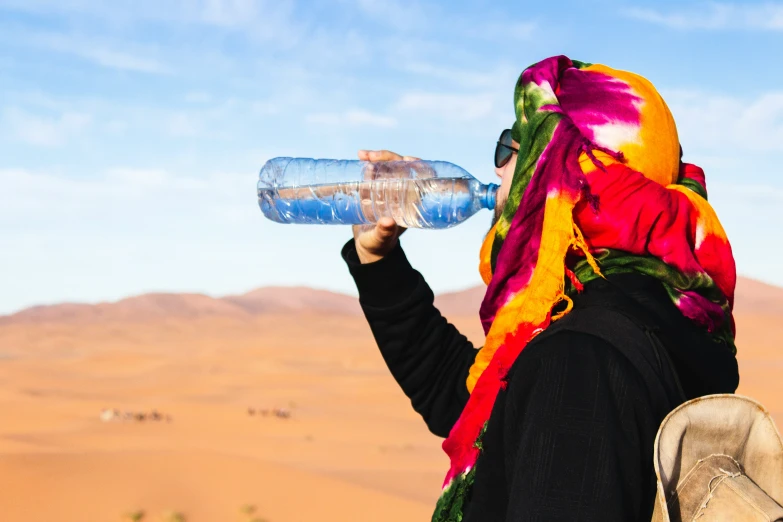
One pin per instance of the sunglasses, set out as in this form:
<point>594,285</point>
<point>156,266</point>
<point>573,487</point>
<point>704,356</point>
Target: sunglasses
<point>504,149</point>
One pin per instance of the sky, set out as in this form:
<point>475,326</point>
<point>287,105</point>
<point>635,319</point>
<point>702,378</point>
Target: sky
<point>132,131</point>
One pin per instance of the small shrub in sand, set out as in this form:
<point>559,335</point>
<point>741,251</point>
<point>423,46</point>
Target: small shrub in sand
<point>173,516</point>
<point>249,510</point>
<point>134,516</point>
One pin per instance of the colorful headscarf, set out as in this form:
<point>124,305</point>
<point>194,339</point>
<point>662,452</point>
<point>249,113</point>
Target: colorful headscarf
<point>599,188</point>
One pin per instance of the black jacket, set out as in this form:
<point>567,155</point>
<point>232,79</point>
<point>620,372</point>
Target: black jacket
<point>571,437</point>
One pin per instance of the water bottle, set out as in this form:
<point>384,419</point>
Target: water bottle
<point>416,194</point>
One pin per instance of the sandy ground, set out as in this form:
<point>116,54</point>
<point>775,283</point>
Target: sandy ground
<point>352,450</point>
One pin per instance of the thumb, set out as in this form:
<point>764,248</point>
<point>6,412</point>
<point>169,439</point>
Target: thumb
<point>385,229</point>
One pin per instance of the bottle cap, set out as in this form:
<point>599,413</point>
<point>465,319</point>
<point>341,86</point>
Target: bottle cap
<point>490,200</point>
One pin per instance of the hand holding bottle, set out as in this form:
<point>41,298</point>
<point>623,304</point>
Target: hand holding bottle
<point>373,242</point>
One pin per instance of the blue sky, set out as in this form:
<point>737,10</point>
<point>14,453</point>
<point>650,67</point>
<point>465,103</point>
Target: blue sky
<point>133,130</point>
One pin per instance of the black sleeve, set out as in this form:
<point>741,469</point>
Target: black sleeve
<point>579,434</point>
<point>426,354</point>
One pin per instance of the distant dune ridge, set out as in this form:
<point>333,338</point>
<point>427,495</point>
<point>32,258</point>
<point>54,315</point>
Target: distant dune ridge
<point>295,299</point>
<point>268,300</point>
<point>751,297</point>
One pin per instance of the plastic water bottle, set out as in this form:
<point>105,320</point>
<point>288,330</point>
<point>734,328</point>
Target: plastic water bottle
<point>416,194</point>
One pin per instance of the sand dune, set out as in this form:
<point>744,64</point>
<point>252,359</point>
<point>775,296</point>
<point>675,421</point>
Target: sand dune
<point>200,485</point>
<point>755,297</point>
<point>352,436</point>
<point>752,297</point>
<point>352,449</point>
<point>147,307</point>
<point>296,299</point>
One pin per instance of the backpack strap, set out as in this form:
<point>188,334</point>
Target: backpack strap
<point>623,323</point>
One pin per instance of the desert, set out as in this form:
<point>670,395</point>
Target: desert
<point>274,405</point>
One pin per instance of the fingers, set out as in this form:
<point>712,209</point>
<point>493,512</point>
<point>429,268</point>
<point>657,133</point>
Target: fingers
<point>387,227</point>
<point>387,231</point>
<point>373,242</point>
<point>383,155</point>
<point>387,224</point>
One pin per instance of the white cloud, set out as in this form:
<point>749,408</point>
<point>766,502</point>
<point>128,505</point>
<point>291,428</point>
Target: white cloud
<point>465,77</point>
<point>198,97</point>
<point>119,60</point>
<point>214,12</point>
<point>429,19</point>
<point>229,12</point>
<point>452,107</point>
<point>45,131</point>
<point>138,178</point>
<point>118,194</point>
<point>182,124</point>
<point>57,120</point>
<point>264,20</point>
<point>400,15</point>
<point>97,52</point>
<point>520,30</point>
<point>717,122</point>
<point>715,15</point>
<point>115,126</point>
<point>501,30</point>
<point>754,194</point>
<point>353,118</point>
<point>265,107</point>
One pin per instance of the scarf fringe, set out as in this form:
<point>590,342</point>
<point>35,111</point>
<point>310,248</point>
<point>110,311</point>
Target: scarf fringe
<point>579,243</point>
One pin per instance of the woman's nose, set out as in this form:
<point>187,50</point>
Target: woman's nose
<point>499,172</point>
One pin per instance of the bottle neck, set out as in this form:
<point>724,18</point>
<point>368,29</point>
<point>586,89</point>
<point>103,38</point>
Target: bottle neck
<point>488,196</point>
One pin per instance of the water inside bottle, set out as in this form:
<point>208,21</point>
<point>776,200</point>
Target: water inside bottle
<point>414,203</point>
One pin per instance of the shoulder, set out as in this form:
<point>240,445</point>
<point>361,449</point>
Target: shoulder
<point>563,344</point>
<point>583,338</point>
<point>577,364</point>
<point>575,382</point>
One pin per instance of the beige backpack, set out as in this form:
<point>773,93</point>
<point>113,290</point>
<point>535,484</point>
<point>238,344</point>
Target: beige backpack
<point>719,458</point>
